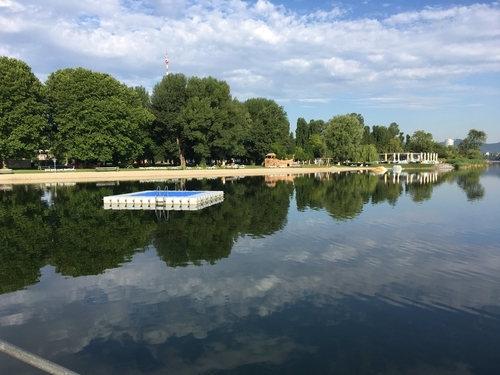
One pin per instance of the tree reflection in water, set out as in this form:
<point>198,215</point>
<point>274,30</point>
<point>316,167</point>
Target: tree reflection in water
<point>78,237</point>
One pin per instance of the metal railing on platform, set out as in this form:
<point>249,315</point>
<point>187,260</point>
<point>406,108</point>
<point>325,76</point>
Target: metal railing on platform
<point>33,360</point>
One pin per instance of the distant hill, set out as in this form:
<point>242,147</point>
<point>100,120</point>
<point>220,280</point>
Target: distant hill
<point>492,148</point>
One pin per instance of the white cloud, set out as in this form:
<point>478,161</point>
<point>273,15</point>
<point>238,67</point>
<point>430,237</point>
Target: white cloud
<point>12,5</point>
<point>313,100</point>
<point>408,101</point>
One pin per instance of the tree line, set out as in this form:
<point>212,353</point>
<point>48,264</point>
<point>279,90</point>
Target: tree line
<point>347,137</point>
<point>89,117</point>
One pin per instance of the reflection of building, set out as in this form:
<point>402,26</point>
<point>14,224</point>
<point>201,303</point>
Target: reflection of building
<point>271,180</point>
<point>271,161</point>
<point>411,178</point>
<point>229,178</point>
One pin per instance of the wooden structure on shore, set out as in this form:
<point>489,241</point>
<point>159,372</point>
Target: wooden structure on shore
<point>271,161</point>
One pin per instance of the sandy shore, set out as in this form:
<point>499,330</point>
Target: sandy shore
<point>131,175</point>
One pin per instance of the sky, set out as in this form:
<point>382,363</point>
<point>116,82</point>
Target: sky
<point>432,66</point>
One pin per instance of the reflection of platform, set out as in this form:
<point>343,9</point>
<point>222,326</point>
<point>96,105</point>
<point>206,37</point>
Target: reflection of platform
<point>163,200</point>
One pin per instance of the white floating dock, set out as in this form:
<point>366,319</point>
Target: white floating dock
<point>163,200</point>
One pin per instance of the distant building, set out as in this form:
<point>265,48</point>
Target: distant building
<point>449,142</point>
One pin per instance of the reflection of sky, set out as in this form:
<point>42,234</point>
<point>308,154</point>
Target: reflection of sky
<point>439,255</point>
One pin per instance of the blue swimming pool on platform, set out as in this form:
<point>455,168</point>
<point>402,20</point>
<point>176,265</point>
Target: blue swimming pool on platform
<point>163,199</point>
<point>167,193</point>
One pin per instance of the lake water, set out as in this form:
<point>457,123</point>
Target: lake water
<point>329,274</point>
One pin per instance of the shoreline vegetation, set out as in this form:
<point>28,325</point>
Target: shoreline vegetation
<point>79,175</point>
<point>90,118</point>
<point>463,163</point>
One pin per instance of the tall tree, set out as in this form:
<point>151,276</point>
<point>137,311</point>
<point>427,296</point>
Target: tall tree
<point>269,130</point>
<point>301,133</point>
<point>290,150</point>
<point>343,136</point>
<point>408,143</point>
<point>211,121</point>
<point>381,136</point>
<point>150,149</point>
<point>239,129</point>
<point>95,117</point>
<point>393,129</point>
<point>394,145</point>
<point>317,146</point>
<point>421,141</point>
<point>471,145</point>
<point>144,95</point>
<point>23,122</point>
<point>360,118</point>
<point>316,127</point>
<point>167,100</point>
<point>367,136</point>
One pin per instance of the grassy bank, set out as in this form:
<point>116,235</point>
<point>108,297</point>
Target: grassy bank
<point>463,163</point>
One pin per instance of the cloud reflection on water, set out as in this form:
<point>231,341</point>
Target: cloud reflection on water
<point>409,257</point>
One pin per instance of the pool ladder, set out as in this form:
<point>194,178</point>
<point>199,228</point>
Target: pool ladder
<point>161,199</point>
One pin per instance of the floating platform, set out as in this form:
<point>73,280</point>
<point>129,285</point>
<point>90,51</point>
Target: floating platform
<point>163,200</point>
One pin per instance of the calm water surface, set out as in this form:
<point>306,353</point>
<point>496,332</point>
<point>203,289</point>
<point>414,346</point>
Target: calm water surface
<point>328,274</point>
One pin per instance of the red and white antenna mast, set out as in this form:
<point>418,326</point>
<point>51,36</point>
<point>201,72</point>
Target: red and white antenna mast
<point>166,63</point>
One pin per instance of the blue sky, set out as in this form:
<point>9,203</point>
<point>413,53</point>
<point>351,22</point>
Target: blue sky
<point>431,66</point>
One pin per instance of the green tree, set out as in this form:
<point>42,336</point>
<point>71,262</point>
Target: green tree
<point>211,121</point>
<point>421,141</point>
<point>387,139</point>
<point>451,152</point>
<point>394,145</point>
<point>367,136</point>
<point>239,129</point>
<point>150,150</point>
<point>316,127</point>
<point>168,99</point>
<point>360,118</point>
<point>470,147</point>
<point>301,133</point>
<point>343,136</point>
<point>95,117</point>
<point>290,149</point>
<point>407,143</point>
<point>366,153</point>
<point>301,154</point>
<point>269,130</point>
<point>393,130</point>
<point>442,151</point>
<point>317,146</point>
<point>23,122</point>
<point>144,95</point>
<point>382,137</point>
<point>401,137</point>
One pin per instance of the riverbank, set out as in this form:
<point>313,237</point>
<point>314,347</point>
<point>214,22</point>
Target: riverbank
<point>158,174</point>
